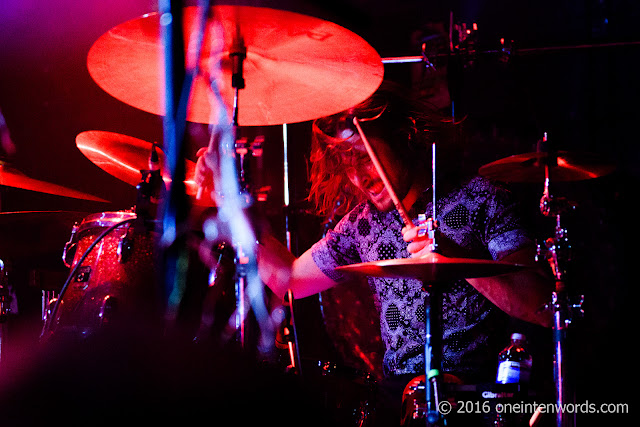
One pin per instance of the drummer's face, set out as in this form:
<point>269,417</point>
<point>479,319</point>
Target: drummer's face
<point>363,174</point>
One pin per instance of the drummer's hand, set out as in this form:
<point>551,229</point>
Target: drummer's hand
<point>420,245</point>
<point>204,172</point>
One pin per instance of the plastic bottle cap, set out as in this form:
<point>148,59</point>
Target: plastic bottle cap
<point>433,373</point>
<point>516,336</point>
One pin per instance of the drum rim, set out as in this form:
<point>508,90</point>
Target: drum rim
<point>104,219</point>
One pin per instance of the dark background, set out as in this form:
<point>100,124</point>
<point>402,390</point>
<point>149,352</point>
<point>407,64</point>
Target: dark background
<point>584,94</point>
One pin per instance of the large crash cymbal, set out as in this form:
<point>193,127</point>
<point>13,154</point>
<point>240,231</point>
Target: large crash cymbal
<point>124,157</point>
<point>430,268</point>
<point>297,67</point>
<point>530,167</point>
<point>11,177</point>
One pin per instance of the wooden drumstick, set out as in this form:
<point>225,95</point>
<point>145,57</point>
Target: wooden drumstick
<point>374,158</point>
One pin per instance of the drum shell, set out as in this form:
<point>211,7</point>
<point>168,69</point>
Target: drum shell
<point>115,284</point>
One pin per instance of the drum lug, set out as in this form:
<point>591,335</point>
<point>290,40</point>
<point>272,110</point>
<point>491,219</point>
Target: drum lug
<point>48,302</point>
<point>69,251</point>
<point>84,274</point>
<point>125,247</point>
<point>107,309</point>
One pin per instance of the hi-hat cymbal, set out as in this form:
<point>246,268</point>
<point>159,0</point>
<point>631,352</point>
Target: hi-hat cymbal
<point>124,157</point>
<point>11,177</point>
<point>297,67</point>
<point>530,167</point>
<point>432,267</point>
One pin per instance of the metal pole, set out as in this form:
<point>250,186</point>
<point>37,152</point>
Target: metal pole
<point>285,142</point>
<point>175,210</point>
<point>557,252</point>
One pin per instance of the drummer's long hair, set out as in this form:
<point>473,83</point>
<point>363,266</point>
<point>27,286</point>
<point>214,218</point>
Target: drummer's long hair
<point>407,125</point>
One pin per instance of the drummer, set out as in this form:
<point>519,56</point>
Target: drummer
<point>476,219</point>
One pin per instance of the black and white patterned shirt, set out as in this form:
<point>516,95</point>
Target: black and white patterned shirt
<point>479,220</point>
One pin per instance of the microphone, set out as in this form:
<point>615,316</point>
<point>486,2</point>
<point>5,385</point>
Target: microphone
<point>156,183</point>
<point>151,188</point>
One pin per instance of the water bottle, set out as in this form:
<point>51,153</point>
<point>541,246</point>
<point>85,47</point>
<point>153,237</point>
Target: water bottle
<point>514,362</point>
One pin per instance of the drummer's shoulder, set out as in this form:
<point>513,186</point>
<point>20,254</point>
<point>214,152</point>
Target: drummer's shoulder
<point>481,186</point>
<point>360,210</point>
<point>351,219</point>
<point>479,192</point>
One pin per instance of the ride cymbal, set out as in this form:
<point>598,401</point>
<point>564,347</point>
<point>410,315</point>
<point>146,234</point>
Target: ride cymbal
<point>530,167</point>
<point>432,267</point>
<point>297,67</point>
<point>11,177</point>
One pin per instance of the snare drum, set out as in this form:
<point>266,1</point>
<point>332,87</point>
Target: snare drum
<point>112,278</point>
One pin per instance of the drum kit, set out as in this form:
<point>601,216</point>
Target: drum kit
<point>283,68</point>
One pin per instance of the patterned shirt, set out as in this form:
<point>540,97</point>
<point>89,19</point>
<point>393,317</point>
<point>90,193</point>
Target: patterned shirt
<point>478,220</point>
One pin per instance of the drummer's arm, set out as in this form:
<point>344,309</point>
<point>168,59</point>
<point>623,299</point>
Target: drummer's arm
<point>280,270</point>
<point>521,294</point>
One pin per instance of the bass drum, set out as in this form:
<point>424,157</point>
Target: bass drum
<point>353,325</point>
<point>349,387</point>
<point>112,281</point>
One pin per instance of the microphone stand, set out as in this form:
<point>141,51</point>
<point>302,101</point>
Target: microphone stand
<point>176,207</point>
<point>232,200</point>
<point>238,54</point>
<point>151,190</point>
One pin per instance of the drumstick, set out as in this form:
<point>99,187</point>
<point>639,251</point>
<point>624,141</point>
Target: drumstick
<point>396,201</point>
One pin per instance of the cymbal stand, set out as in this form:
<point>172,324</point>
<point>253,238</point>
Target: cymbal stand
<point>433,305</point>
<point>433,355</point>
<point>557,251</point>
<point>290,334</point>
<point>288,326</point>
<point>433,316</point>
<point>286,189</point>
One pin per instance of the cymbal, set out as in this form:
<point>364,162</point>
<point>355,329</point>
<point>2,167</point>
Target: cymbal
<point>530,167</point>
<point>297,67</point>
<point>11,177</point>
<point>433,267</point>
<point>124,157</point>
